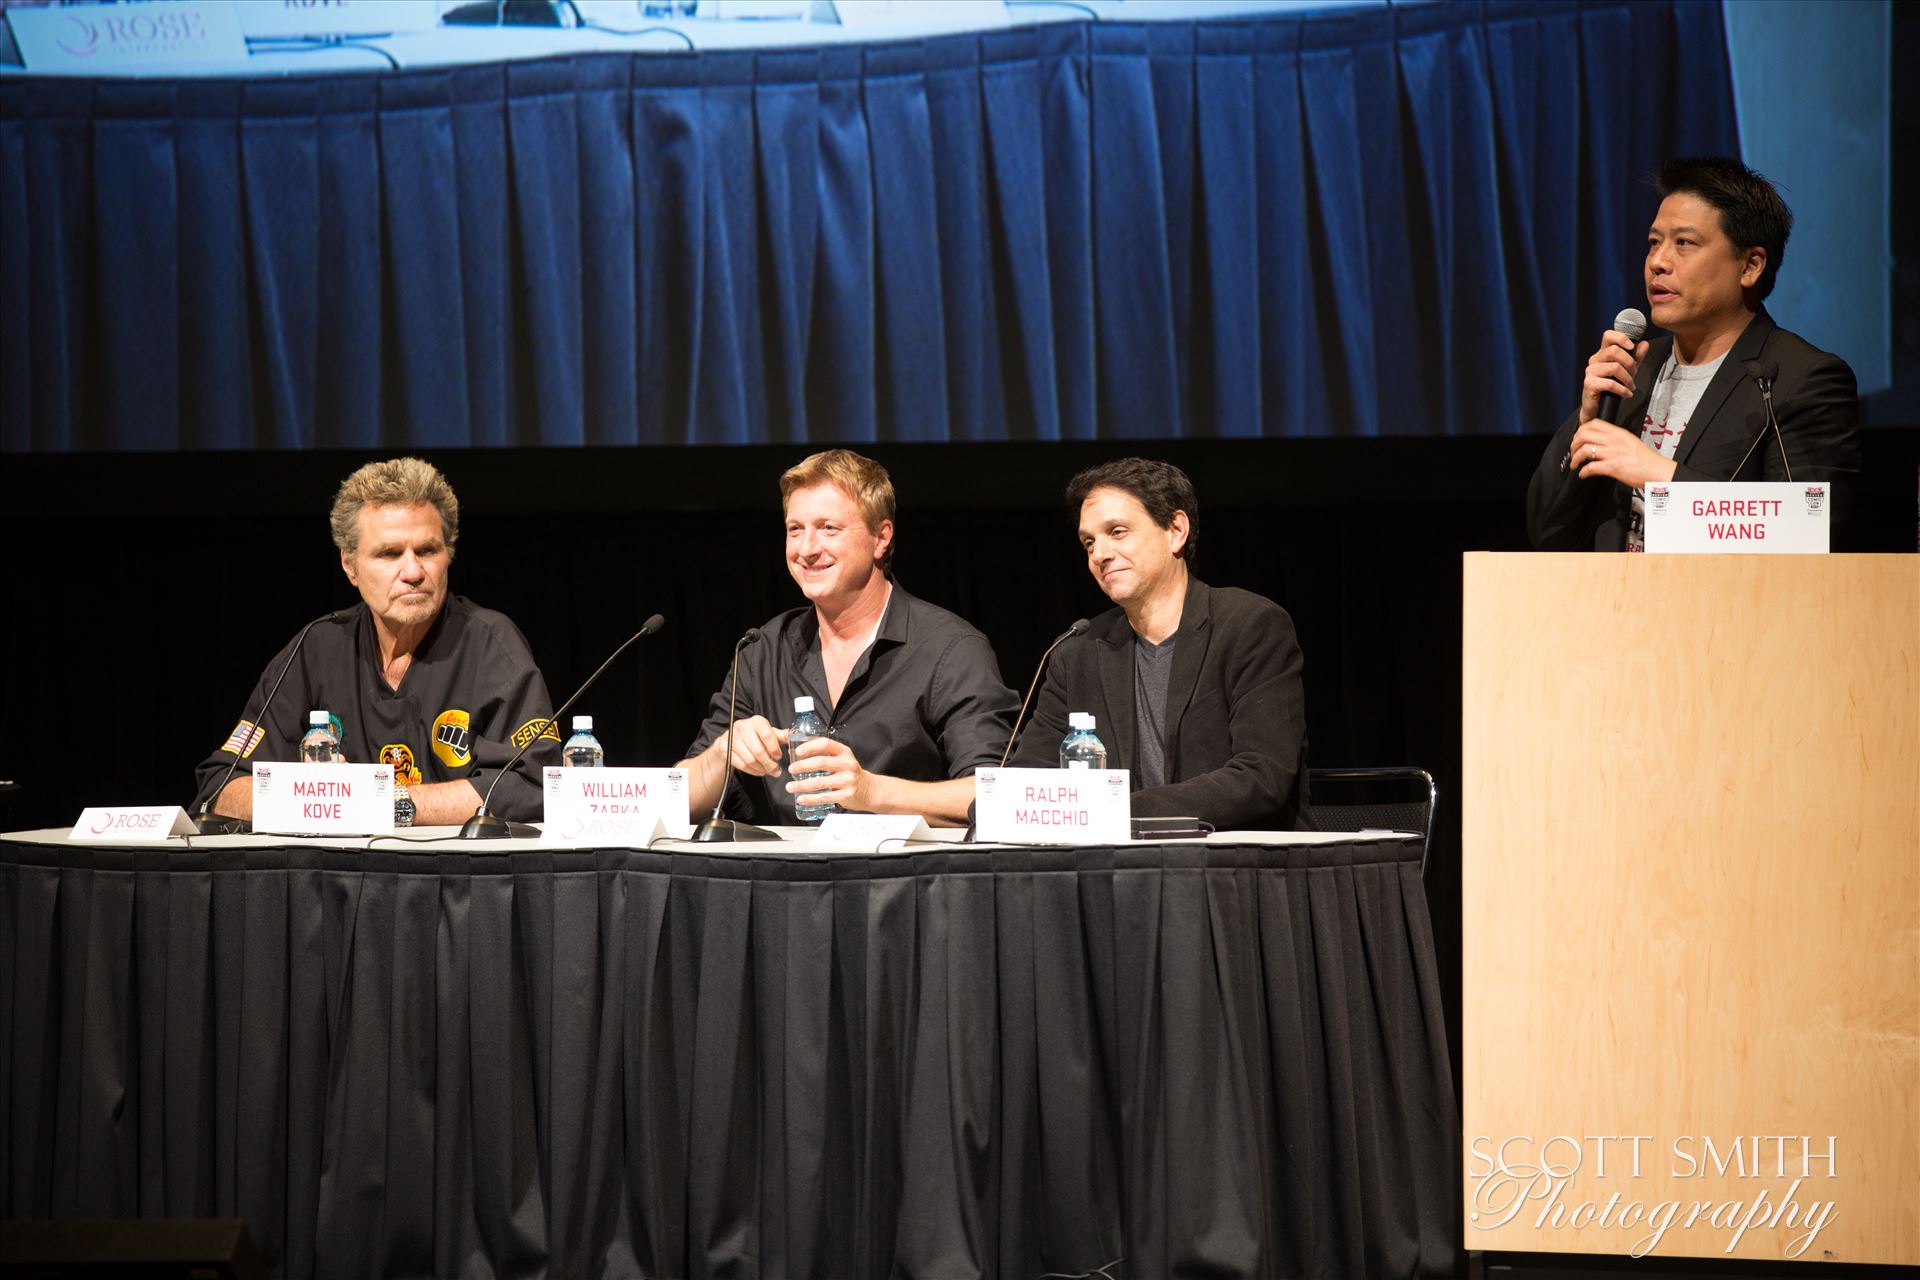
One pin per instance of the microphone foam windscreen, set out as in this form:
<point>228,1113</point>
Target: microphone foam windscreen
<point>1632,323</point>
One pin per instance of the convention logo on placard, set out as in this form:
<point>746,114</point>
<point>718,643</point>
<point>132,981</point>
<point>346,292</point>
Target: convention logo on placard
<point>1658,497</point>
<point>536,727</point>
<point>1816,499</point>
<point>453,738</point>
<point>400,756</point>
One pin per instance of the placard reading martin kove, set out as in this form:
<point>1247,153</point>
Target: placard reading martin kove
<point>323,799</point>
<point>614,806</point>
<point>1052,806</point>
<point>1787,517</point>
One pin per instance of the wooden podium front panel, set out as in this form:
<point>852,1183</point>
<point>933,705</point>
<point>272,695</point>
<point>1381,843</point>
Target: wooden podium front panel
<point>1691,904</point>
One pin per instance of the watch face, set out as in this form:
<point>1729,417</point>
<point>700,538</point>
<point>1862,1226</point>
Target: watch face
<point>403,810</point>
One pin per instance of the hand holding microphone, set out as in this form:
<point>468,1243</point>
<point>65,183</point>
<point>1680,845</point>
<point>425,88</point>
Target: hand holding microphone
<point>1610,370</point>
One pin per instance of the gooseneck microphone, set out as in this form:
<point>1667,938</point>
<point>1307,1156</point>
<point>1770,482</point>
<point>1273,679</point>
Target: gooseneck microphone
<point>716,829</point>
<point>1631,325</point>
<point>209,823</point>
<point>487,825</point>
<point>1764,372</point>
<point>1079,628</point>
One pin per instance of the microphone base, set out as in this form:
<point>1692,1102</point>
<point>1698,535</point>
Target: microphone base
<point>485,826</point>
<point>726,831</point>
<point>212,824</point>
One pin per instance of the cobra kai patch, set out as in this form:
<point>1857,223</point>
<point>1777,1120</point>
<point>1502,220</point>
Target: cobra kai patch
<point>400,756</point>
<point>536,727</point>
<point>453,738</point>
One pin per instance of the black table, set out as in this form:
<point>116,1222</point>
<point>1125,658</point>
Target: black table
<point>1222,1057</point>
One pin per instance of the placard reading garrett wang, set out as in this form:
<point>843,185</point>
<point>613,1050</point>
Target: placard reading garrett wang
<point>1519,1178</point>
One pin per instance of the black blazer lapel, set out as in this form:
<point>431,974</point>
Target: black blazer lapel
<point>1748,346</point>
<point>1115,658</point>
<point>1188,655</point>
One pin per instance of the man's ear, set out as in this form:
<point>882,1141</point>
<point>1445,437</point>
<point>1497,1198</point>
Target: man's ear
<point>1754,266</point>
<point>1178,528</point>
<point>346,567</point>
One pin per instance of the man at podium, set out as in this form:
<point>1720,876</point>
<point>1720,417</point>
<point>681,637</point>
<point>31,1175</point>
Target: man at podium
<point>1693,403</point>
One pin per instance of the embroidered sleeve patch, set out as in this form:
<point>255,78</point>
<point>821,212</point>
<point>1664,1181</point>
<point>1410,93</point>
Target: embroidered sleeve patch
<point>244,740</point>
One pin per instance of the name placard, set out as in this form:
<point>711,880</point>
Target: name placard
<point>868,832</point>
<point>630,807</point>
<point>1788,517</point>
<point>323,799</point>
<point>284,18</point>
<point>97,37</point>
<point>139,825</point>
<point>1052,806</point>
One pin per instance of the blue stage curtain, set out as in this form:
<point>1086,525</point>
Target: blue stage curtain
<point>1409,220</point>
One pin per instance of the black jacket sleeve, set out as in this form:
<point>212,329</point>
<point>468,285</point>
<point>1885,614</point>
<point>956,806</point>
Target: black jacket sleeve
<point>285,724</point>
<point>516,707</point>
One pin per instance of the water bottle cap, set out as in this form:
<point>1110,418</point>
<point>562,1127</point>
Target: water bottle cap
<point>1080,720</point>
<point>803,704</point>
<point>583,724</point>
<point>319,717</point>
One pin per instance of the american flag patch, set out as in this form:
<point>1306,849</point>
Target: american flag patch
<point>245,738</point>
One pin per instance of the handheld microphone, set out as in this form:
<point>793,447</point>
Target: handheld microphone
<point>1631,325</point>
<point>1079,628</point>
<point>209,823</point>
<point>486,825</point>
<point>1764,372</point>
<point>716,829</point>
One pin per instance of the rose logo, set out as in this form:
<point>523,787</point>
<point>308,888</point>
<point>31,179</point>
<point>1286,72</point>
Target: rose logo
<point>89,38</point>
<point>101,823</point>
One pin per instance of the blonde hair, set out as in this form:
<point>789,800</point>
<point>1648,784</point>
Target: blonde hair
<point>397,482</point>
<point>861,479</point>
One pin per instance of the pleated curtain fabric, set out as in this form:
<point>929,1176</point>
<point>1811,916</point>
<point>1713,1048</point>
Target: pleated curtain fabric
<point>1400,220</point>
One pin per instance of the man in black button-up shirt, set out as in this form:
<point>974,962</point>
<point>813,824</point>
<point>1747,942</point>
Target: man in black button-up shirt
<point>912,694</point>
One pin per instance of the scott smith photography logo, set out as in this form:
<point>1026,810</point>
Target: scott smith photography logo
<point>1520,1179</point>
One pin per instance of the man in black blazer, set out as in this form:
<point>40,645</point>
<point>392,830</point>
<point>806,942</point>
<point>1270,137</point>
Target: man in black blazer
<point>1694,407</point>
<point>1194,689</point>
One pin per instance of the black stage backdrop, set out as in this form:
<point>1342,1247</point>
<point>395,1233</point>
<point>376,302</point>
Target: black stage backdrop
<point>144,593</point>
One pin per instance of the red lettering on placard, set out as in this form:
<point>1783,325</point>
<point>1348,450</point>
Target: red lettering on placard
<point>1717,532</point>
<point>315,810</point>
<point>1749,507</point>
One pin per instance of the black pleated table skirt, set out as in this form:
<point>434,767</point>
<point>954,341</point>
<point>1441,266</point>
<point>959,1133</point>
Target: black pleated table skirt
<point>1220,1058</point>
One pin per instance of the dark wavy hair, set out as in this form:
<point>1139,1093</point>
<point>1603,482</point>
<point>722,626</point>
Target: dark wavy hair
<point>1160,487</point>
<point>1751,210</point>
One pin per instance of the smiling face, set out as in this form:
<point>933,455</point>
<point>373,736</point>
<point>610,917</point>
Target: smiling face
<point>1696,277</point>
<point>831,552</point>
<point>1133,559</point>
<point>400,564</point>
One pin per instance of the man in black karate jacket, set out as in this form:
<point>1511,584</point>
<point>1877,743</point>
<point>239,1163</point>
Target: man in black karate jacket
<point>435,685</point>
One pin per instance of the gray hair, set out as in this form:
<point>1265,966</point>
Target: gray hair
<point>397,482</point>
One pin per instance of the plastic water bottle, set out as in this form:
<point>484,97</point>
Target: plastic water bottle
<point>806,727</point>
<point>583,749</point>
<point>1080,749</point>
<point>320,745</point>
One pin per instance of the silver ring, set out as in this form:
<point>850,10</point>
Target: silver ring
<point>1593,451</point>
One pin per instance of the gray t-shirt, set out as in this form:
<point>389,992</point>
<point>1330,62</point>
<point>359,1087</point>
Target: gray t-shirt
<point>1676,393</point>
<point>1152,665</point>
